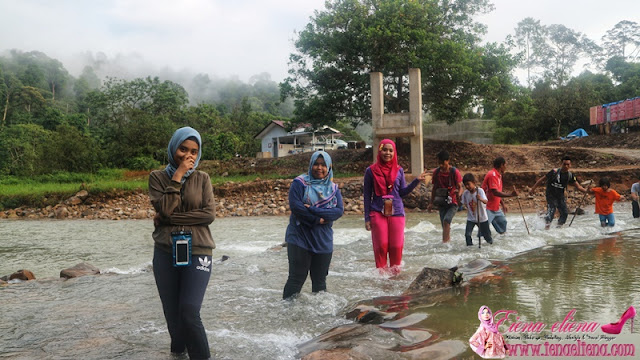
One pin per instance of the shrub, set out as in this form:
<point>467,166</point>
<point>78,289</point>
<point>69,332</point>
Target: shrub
<point>142,163</point>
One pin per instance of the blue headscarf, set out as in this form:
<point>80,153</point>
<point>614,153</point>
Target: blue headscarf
<point>319,192</point>
<point>178,138</point>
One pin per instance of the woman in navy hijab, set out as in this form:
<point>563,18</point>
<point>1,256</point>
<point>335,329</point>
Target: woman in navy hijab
<point>315,203</point>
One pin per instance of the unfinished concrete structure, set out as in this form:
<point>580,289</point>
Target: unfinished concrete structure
<point>400,124</point>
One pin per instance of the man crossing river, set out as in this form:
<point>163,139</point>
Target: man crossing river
<point>557,181</point>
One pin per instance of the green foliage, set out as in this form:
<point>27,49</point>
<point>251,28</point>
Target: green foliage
<point>623,40</point>
<point>262,93</point>
<point>351,38</point>
<point>53,123</point>
<point>528,33</point>
<point>142,163</point>
<point>548,112</point>
<point>22,149</point>
<point>222,146</point>
<point>515,119</point>
<point>553,50</point>
<point>69,149</point>
<point>51,118</point>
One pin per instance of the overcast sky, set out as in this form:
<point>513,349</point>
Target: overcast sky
<point>227,38</point>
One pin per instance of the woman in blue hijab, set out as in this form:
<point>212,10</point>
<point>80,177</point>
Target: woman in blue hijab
<point>183,200</point>
<point>315,203</point>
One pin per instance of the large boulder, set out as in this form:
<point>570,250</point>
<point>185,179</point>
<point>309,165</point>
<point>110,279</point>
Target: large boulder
<point>140,214</point>
<point>369,315</point>
<point>61,212</point>
<point>433,279</point>
<point>367,341</point>
<point>82,195</point>
<point>418,198</point>
<point>81,269</point>
<point>336,354</point>
<point>23,275</point>
<point>352,341</point>
<point>74,200</point>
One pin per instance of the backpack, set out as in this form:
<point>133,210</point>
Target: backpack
<point>556,174</point>
<point>441,197</point>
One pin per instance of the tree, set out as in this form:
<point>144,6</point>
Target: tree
<point>70,150</point>
<point>22,149</point>
<point>627,75</point>
<point>4,96</point>
<point>123,113</point>
<point>89,75</point>
<point>559,51</point>
<point>622,40</point>
<point>515,118</point>
<point>30,99</point>
<point>528,33</point>
<point>336,51</point>
<point>117,98</point>
<point>10,85</point>
<point>55,74</point>
<point>87,82</point>
<point>222,146</point>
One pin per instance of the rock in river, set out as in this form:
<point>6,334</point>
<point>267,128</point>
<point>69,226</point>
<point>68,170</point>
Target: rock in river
<point>81,269</point>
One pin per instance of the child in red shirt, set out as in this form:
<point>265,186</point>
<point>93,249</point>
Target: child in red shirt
<point>605,196</point>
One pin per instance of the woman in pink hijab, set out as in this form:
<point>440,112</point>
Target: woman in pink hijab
<point>384,187</point>
<point>487,341</point>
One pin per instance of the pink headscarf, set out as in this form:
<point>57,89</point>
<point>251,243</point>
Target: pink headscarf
<point>385,173</point>
<point>487,324</point>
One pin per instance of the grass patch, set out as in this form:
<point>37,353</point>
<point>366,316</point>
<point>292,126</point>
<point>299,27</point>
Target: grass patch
<point>217,180</point>
<point>50,189</point>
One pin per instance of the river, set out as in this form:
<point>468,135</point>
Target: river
<point>117,315</point>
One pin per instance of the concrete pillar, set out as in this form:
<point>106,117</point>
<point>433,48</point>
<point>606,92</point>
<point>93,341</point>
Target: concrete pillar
<point>415,111</point>
<point>399,125</point>
<point>377,108</point>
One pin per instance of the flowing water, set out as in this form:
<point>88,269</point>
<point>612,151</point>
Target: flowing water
<point>117,315</point>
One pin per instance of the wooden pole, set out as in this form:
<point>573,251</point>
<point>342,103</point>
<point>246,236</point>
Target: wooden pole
<point>478,217</point>
<point>580,204</point>
<point>522,212</point>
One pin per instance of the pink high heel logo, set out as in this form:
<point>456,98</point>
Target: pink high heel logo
<point>616,328</point>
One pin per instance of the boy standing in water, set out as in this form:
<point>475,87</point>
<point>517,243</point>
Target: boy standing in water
<point>446,192</point>
<point>492,185</point>
<point>475,200</point>
<point>605,196</point>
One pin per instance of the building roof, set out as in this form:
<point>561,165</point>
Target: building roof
<point>300,130</point>
<point>273,124</point>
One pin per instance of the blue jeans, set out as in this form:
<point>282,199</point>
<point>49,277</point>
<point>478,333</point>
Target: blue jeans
<point>607,220</point>
<point>498,220</point>
<point>483,229</point>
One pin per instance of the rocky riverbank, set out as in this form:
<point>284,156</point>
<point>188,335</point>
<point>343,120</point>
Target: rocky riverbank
<point>256,198</point>
<point>591,159</point>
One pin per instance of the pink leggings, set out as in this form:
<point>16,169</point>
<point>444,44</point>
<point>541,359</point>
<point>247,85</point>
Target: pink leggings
<point>387,233</point>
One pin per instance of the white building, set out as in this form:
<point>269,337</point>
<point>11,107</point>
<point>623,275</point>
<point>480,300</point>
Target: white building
<point>277,142</point>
